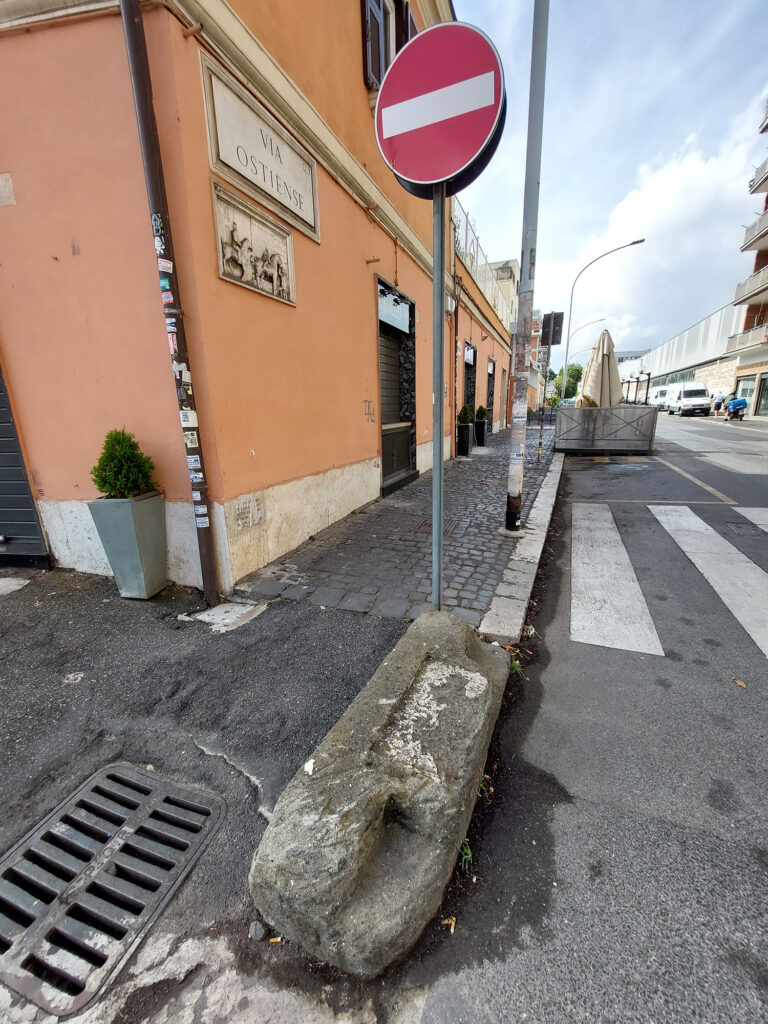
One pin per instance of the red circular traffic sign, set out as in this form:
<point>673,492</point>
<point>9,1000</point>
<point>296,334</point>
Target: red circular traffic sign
<point>441,107</point>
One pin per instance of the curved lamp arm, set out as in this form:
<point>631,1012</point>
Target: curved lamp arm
<point>637,241</point>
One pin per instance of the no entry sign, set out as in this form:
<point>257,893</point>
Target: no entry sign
<point>441,107</point>
<point>439,118</point>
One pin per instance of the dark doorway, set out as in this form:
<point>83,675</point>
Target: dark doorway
<point>470,376</point>
<point>491,394</point>
<point>21,536</point>
<point>397,383</point>
<point>761,405</point>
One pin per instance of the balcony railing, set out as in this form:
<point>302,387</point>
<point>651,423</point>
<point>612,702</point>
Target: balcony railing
<point>755,231</point>
<point>747,339</point>
<point>759,182</point>
<point>474,259</point>
<point>754,289</point>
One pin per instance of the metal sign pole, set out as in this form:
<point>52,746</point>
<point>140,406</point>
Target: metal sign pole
<point>527,265</point>
<point>438,374</point>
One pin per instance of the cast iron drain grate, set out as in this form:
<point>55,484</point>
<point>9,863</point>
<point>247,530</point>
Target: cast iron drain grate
<point>78,893</point>
<point>425,526</point>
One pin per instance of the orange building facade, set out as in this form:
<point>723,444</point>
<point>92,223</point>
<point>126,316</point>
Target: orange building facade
<point>304,273</point>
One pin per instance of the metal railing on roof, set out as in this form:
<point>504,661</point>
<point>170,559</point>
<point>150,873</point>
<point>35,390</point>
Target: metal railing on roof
<point>755,230</point>
<point>474,259</point>
<point>759,174</point>
<point>756,335</point>
<point>756,283</point>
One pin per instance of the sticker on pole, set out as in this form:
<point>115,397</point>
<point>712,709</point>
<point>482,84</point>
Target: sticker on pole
<point>441,108</point>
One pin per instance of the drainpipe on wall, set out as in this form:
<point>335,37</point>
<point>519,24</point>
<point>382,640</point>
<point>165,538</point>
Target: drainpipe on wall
<point>138,63</point>
<point>456,292</point>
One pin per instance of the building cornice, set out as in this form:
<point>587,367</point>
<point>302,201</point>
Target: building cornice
<point>24,13</point>
<point>230,39</point>
<point>232,42</point>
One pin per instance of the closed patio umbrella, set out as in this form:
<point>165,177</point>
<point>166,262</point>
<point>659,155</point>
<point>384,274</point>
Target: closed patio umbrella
<point>601,384</point>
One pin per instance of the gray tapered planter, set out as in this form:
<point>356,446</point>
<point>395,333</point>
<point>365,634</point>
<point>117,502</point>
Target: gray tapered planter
<point>132,531</point>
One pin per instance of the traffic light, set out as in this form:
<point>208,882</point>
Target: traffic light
<point>551,329</point>
<point>557,328</point>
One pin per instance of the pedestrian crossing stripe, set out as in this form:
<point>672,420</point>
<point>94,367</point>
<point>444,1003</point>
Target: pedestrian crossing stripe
<point>741,585</point>
<point>607,605</point>
<point>758,516</point>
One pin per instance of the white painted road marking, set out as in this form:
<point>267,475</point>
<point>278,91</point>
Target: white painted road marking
<point>740,584</point>
<point>759,516</point>
<point>607,606</point>
<point>439,105</point>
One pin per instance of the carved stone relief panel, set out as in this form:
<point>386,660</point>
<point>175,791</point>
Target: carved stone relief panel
<point>254,250</point>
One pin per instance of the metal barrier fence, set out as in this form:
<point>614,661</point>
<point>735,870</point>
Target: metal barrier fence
<point>627,428</point>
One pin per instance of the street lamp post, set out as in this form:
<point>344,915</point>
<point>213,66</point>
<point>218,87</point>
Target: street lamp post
<point>637,241</point>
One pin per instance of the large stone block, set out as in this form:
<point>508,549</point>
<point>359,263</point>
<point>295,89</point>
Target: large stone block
<point>364,838</point>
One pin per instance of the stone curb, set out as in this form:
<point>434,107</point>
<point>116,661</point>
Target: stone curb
<point>364,839</point>
<point>505,618</point>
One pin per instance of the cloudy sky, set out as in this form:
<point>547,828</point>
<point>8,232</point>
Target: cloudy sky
<point>650,130</point>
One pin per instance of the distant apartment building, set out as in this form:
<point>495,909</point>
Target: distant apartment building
<point>508,275</point>
<point>727,350</point>
<point>536,368</point>
<point>700,352</point>
<point>750,346</point>
<point>637,353</point>
<point>304,277</point>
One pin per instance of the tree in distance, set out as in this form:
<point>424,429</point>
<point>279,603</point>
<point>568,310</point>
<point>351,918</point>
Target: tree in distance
<point>572,383</point>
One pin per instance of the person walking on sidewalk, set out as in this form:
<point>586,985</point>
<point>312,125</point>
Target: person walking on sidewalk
<point>717,401</point>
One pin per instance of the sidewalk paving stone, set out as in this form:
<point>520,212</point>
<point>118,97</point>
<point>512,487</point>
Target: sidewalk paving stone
<point>378,560</point>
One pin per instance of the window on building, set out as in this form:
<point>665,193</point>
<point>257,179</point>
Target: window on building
<point>387,27</point>
<point>745,387</point>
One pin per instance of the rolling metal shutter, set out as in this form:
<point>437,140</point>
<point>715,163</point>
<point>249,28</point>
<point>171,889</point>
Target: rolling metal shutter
<point>21,537</point>
<point>389,373</point>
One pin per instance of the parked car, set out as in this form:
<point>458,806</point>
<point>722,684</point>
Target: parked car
<point>689,399</point>
<point>658,396</point>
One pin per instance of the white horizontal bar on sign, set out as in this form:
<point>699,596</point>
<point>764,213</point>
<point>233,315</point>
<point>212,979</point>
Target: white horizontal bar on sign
<point>439,105</point>
<point>607,605</point>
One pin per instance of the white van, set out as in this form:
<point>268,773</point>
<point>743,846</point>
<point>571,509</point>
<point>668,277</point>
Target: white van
<point>688,399</point>
<point>658,396</point>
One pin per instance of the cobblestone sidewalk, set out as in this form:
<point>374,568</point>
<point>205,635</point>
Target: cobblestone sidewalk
<point>379,558</point>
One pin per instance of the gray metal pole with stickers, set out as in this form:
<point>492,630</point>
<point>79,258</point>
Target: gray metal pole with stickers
<point>519,383</point>
<point>136,46</point>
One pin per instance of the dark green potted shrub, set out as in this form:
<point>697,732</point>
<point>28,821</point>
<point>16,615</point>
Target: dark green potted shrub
<point>130,518</point>
<point>481,417</point>
<point>464,431</point>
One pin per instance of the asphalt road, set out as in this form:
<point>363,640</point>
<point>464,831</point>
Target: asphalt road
<point>643,775</point>
<point>620,846</point>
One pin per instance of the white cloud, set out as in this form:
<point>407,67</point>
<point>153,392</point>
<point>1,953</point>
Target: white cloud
<point>690,208</point>
<point>651,130</point>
